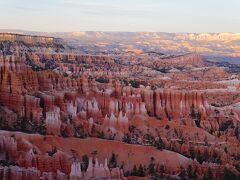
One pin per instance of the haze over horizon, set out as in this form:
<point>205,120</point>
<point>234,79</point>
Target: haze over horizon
<point>29,32</point>
<point>188,16</point>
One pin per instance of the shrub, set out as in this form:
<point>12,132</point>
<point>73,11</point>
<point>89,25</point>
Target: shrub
<point>167,127</point>
<point>134,83</point>
<point>102,80</point>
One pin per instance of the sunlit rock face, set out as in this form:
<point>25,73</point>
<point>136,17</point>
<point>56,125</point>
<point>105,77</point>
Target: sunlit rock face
<point>187,61</point>
<point>53,122</point>
<point>96,170</point>
<point>16,81</point>
<point>72,110</point>
<point>121,122</point>
<point>177,104</point>
<point>69,116</point>
<point>76,171</point>
<point>25,39</point>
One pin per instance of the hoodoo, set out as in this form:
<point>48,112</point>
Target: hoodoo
<point>65,114</point>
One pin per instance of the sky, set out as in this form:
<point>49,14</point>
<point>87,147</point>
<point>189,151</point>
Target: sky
<point>121,15</point>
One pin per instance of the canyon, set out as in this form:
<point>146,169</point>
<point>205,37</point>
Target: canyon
<point>65,114</point>
<point>213,46</point>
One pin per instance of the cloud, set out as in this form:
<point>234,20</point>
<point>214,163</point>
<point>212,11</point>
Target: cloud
<point>107,6</point>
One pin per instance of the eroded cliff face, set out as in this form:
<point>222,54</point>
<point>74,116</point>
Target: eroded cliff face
<point>186,61</point>
<point>45,160</point>
<point>68,97</point>
<point>179,104</point>
<point>26,39</point>
<point>11,43</point>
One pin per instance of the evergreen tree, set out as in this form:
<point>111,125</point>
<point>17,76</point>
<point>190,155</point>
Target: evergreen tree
<point>159,144</point>
<point>205,177</point>
<point>183,174</point>
<point>134,83</point>
<point>236,132</point>
<point>189,172</point>
<point>191,151</point>
<point>162,170</point>
<point>113,161</point>
<point>209,174</point>
<point>53,151</point>
<point>85,161</point>
<point>134,171</point>
<point>196,116</point>
<point>141,172</point>
<point>225,149</point>
<point>205,141</point>
<point>101,135</point>
<point>126,174</point>
<point>229,175</point>
<point>199,158</point>
<point>151,167</point>
<point>205,155</point>
<point>126,138</point>
<point>195,176</point>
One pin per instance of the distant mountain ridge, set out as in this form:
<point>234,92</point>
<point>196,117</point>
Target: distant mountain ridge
<point>15,42</point>
<point>217,45</point>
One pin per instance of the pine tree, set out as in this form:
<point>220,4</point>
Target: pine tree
<point>85,161</point>
<point>210,174</point>
<point>192,153</point>
<point>113,161</point>
<point>205,155</point>
<point>205,177</point>
<point>183,173</point>
<point>160,145</point>
<point>229,175</point>
<point>162,170</point>
<point>141,172</point>
<point>205,141</point>
<point>189,172</point>
<point>236,132</point>
<point>126,138</point>
<point>151,168</point>
<point>199,158</point>
<point>134,171</point>
<point>195,176</point>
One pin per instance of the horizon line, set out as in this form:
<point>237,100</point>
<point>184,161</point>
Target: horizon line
<point>37,31</point>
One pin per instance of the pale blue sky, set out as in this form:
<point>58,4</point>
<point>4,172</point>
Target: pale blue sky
<point>121,15</point>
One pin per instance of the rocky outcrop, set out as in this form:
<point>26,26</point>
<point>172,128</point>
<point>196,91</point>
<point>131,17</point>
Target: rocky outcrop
<point>174,105</point>
<point>96,170</point>
<point>71,109</point>
<point>8,145</point>
<point>19,173</point>
<point>180,61</point>
<point>53,121</point>
<point>8,117</point>
<point>16,81</point>
<point>185,60</point>
<point>120,123</point>
<point>88,106</point>
<point>33,111</point>
<point>76,171</point>
<point>27,39</point>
